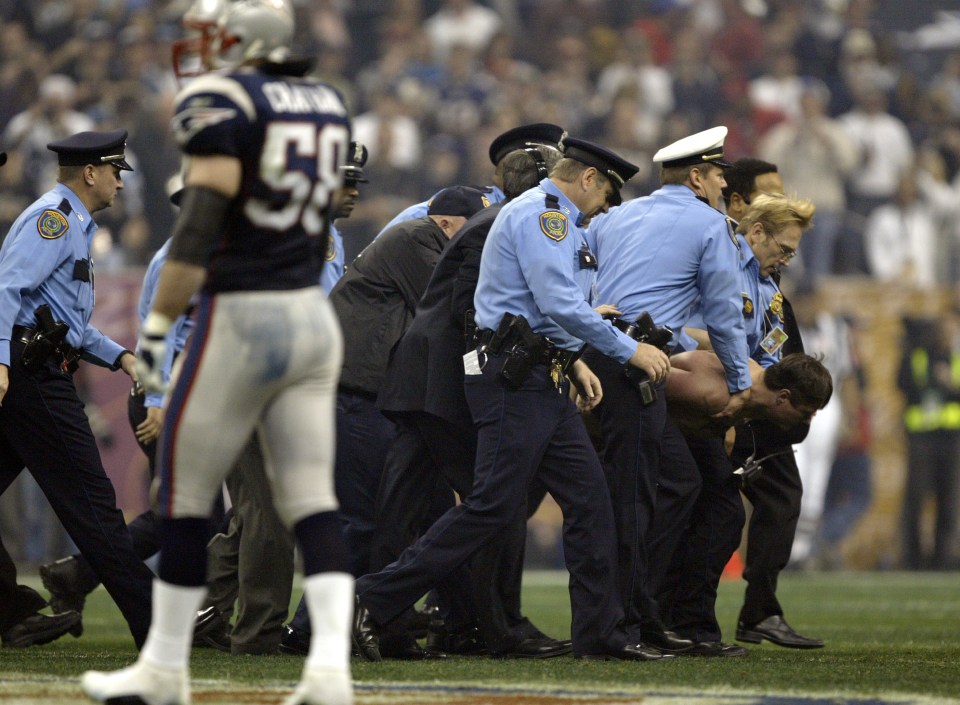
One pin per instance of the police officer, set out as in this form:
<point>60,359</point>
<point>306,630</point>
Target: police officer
<point>775,494</point>
<point>535,134</point>
<point>71,579</point>
<point>533,316</point>
<point>20,622</point>
<point>658,254</point>
<point>46,301</point>
<point>346,201</point>
<point>423,395</point>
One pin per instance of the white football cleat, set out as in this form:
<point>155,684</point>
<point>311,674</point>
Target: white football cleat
<point>142,683</point>
<point>324,686</point>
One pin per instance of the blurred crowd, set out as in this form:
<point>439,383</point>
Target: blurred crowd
<point>860,116</point>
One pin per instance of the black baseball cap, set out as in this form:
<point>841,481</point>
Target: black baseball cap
<point>458,200</point>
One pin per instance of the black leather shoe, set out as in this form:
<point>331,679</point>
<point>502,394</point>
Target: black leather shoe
<point>40,629</point>
<point>405,648</point>
<point>714,649</point>
<point>630,652</point>
<point>68,587</point>
<point>462,642</point>
<point>365,634</point>
<point>776,630</point>
<point>536,649</point>
<point>210,630</point>
<point>294,641</point>
<point>666,641</point>
<point>420,620</point>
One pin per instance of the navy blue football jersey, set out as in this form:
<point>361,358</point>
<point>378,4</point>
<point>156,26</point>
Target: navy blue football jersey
<point>291,136</point>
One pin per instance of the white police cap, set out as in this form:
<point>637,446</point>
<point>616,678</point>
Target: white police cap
<point>702,148</point>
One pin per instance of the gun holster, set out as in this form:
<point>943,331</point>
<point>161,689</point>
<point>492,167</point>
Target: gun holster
<point>522,346</point>
<point>644,330</point>
<point>46,340</point>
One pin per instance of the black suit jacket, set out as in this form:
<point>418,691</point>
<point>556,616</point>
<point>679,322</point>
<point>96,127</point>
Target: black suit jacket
<point>426,369</point>
<point>376,298</point>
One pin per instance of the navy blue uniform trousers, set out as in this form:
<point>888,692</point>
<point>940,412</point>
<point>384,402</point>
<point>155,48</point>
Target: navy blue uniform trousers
<point>688,595</point>
<point>426,449</point>
<point>43,427</point>
<point>523,432</point>
<point>632,436</point>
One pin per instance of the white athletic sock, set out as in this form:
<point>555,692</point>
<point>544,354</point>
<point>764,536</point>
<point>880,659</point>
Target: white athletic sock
<point>171,631</point>
<point>330,603</point>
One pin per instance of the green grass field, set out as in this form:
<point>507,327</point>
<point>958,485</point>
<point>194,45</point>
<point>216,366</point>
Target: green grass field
<point>891,637</point>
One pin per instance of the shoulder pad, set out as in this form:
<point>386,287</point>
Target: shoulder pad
<point>208,101</point>
<point>52,224</point>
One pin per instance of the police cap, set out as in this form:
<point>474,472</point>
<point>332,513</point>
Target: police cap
<point>702,148</point>
<point>524,136</point>
<point>92,148</point>
<point>357,156</point>
<point>458,200</point>
<point>615,168</point>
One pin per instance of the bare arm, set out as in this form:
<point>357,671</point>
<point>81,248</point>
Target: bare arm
<point>697,394</point>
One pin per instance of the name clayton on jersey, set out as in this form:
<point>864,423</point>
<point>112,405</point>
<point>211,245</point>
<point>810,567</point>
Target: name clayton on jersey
<point>286,98</point>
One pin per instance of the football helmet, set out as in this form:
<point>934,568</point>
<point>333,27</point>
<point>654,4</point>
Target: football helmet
<point>193,55</point>
<point>253,29</point>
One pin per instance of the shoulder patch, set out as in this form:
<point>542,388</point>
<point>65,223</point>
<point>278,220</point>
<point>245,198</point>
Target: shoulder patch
<point>331,249</point>
<point>554,225</point>
<point>52,224</point>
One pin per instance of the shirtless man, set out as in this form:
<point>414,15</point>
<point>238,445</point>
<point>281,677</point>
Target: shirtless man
<point>787,393</point>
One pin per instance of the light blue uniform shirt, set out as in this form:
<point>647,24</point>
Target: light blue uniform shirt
<point>334,264</point>
<point>419,210</point>
<point>755,304</point>
<point>530,267</point>
<point>180,330</point>
<point>37,263</point>
<point>772,316</point>
<point>659,254</point>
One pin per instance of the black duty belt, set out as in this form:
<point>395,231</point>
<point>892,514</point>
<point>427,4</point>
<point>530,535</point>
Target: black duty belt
<point>69,354</point>
<point>630,329</point>
<point>549,356</point>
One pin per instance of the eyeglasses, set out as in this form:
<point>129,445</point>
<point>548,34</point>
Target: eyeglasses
<point>785,254</point>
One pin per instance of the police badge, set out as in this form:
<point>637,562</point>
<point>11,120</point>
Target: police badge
<point>776,305</point>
